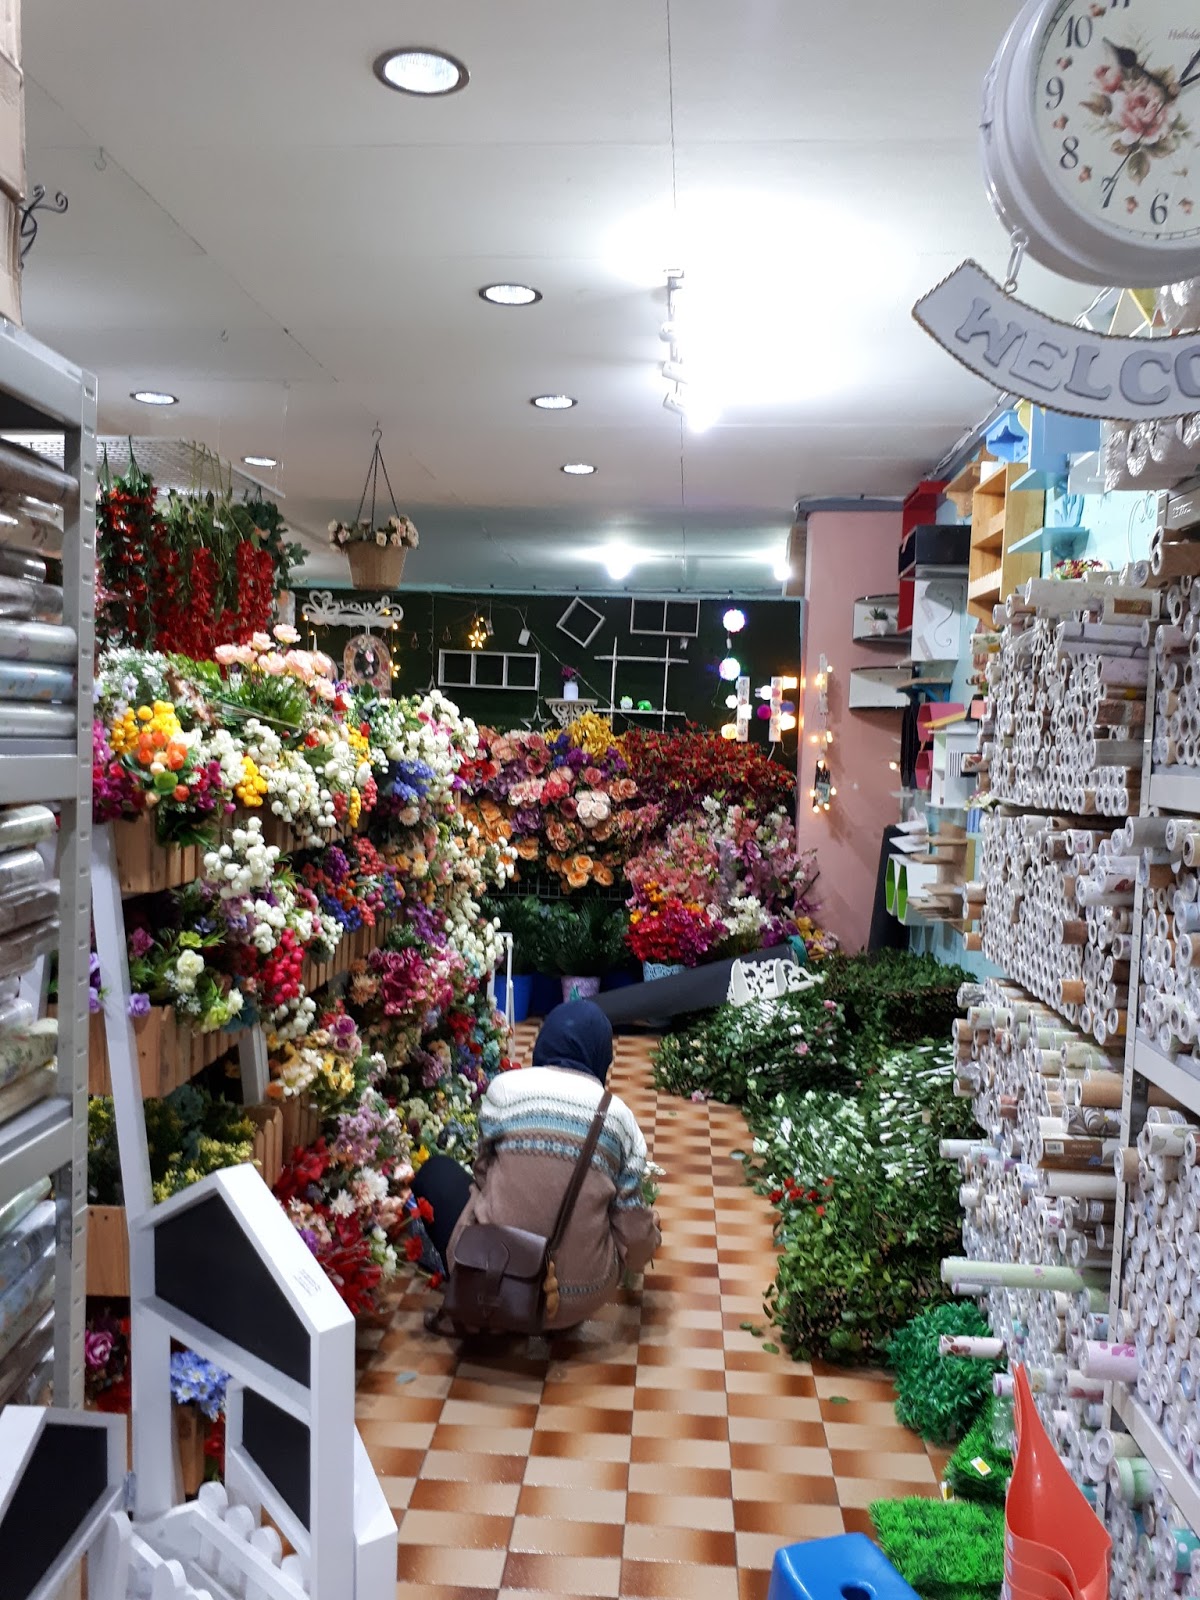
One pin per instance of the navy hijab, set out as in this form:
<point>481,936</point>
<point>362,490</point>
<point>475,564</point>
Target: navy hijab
<point>577,1035</point>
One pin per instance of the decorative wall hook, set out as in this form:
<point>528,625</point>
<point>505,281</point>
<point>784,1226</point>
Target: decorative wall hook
<point>29,215</point>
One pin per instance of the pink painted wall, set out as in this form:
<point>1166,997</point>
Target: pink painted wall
<point>850,554</point>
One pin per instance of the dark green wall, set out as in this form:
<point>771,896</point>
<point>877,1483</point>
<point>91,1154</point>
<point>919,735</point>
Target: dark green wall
<point>769,644</point>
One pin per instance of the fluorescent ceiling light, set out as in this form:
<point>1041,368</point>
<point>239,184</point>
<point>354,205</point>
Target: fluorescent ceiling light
<point>577,469</point>
<point>426,72</point>
<point>510,294</point>
<point>700,414</point>
<point>154,397</point>
<point>782,569</point>
<point>553,402</point>
<point>618,561</point>
<point>260,461</point>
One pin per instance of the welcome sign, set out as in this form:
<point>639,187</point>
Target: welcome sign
<point>1071,370</point>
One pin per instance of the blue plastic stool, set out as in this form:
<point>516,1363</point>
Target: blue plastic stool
<point>849,1567</point>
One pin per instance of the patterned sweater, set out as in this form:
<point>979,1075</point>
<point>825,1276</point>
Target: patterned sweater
<point>532,1127</point>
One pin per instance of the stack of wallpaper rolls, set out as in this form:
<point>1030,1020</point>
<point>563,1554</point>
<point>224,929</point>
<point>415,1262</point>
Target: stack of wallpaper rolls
<point>26,1294</point>
<point>37,653</point>
<point>29,925</point>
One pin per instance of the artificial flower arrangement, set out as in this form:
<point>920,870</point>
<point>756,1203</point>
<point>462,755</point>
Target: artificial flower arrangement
<point>668,931</point>
<point>189,572</point>
<point>397,532</point>
<point>189,1134</point>
<point>563,802</point>
<point>673,770</point>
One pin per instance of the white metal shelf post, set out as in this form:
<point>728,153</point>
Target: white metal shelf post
<point>42,392</point>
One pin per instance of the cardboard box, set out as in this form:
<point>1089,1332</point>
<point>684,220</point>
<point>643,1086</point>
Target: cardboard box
<point>10,259</point>
<point>12,128</point>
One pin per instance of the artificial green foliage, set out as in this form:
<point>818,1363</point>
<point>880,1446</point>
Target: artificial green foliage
<point>867,1208</point>
<point>744,1054</point>
<point>945,1549</point>
<point>939,1396</point>
<point>979,1444</point>
<point>584,940</point>
<point>893,998</point>
<point>189,1134</point>
<point>525,918</point>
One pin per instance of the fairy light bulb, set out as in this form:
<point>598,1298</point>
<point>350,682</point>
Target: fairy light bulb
<point>730,669</point>
<point>734,620</point>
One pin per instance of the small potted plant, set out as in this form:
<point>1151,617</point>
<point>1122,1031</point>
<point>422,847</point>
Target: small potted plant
<point>880,621</point>
<point>671,935</point>
<point>580,941</point>
<point>570,683</point>
<point>376,555</point>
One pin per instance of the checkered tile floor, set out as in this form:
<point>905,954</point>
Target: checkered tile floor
<point>657,1451</point>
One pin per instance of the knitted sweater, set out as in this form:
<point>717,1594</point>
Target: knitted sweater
<point>532,1127</point>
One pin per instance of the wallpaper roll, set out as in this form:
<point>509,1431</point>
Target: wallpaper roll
<point>21,564</point>
<point>22,1204</point>
<point>25,472</point>
<point>37,641</point>
<point>27,1381</point>
<point>26,1243</point>
<point>24,1051</point>
<point>28,905</point>
<point>20,1296</point>
<point>20,870</point>
<point>21,598</point>
<point>23,1325</point>
<point>21,720</point>
<point>24,680</point>
<point>15,1014</point>
<point>26,1092</point>
<point>18,951</point>
<point>21,826</point>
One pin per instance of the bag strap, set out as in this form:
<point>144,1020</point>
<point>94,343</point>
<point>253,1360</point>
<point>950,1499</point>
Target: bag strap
<point>580,1172</point>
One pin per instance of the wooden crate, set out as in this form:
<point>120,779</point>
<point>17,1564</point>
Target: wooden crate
<point>107,1251</point>
<point>144,866</point>
<point>169,1053</point>
<point>107,1232</point>
<point>301,1125</point>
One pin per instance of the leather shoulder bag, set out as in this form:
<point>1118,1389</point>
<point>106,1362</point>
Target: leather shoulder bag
<point>504,1279</point>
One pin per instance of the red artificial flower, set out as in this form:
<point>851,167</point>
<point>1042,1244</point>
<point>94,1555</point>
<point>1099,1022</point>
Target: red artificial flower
<point>775,1196</point>
<point>413,1248</point>
<point>424,1210</point>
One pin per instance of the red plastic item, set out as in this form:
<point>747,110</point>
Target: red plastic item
<point>1049,1526</point>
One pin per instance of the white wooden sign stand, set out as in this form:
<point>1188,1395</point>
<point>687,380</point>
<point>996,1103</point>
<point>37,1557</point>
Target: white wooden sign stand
<point>220,1269</point>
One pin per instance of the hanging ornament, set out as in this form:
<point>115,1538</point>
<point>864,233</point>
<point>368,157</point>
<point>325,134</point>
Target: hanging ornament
<point>477,635</point>
<point>734,620</point>
<point>822,791</point>
<point>730,669</point>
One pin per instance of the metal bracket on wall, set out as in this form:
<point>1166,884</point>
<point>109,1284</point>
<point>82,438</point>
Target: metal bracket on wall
<point>29,215</point>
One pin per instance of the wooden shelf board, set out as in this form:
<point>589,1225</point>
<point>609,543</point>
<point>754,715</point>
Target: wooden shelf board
<point>987,584</point>
<point>1047,539</point>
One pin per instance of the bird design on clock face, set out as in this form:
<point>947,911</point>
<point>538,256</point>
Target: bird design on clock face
<point>1117,115</point>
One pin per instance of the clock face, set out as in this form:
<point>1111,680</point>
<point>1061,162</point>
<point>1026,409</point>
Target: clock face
<point>1117,112</point>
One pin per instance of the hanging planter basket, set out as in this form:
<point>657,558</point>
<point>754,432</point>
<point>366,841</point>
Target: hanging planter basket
<point>374,566</point>
<point>376,553</point>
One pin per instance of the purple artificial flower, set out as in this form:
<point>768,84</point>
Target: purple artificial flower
<point>140,943</point>
<point>97,1347</point>
<point>309,1238</point>
<point>93,1001</point>
<point>139,1005</point>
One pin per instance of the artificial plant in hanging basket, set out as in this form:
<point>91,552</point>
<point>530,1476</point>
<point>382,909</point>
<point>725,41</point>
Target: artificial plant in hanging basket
<point>376,551</point>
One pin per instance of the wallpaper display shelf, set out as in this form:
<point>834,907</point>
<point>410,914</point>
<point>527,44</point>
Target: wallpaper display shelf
<point>1001,516</point>
<point>51,766</point>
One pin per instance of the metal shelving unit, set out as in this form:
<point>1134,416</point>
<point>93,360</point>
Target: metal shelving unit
<point>1151,1441</point>
<point>42,392</point>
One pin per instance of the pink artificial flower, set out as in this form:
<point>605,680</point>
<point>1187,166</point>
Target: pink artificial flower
<point>1143,115</point>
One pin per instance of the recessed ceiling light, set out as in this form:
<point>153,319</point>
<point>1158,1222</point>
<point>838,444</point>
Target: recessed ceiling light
<point>260,461</point>
<point>510,294</point>
<point>553,402</point>
<point>578,469</point>
<point>154,397</point>
<point>427,72</point>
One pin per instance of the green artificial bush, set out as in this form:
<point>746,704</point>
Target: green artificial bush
<point>963,1473</point>
<point>743,1054</point>
<point>945,1549</point>
<point>867,1208</point>
<point>939,1396</point>
<point>892,998</point>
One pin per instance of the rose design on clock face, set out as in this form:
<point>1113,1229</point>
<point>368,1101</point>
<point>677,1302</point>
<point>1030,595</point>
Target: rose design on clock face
<point>1118,112</point>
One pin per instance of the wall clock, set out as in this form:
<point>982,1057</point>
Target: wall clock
<point>366,660</point>
<point>1091,138</point>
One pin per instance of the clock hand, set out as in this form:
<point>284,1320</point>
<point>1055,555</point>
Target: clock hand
<point>1128,62</point>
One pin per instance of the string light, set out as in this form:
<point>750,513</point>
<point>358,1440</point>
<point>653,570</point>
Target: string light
<point>823,791</point>
<point>477,635</point>
<point>730,669</point>
<point>729,731</point>
<point>734,620</point>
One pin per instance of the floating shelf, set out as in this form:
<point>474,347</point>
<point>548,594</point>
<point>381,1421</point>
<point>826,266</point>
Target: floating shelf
<point>988,583</point>
<point>1049,539</point>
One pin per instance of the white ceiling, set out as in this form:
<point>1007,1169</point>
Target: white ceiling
<point>259,227</point>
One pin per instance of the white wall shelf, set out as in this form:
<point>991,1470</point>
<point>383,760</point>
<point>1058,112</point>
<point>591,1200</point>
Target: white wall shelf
<point>1178,1481</point>
<point>1173,1077</point>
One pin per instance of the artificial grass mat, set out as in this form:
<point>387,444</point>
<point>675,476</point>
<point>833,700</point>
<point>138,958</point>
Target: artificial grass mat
<point>938,1396</point>
<point>963,1475</point>
<point>945,1549</point>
